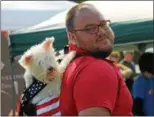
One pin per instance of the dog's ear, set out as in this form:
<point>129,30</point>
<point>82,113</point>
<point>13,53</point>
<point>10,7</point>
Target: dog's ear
<point>48,42</point>
<point>25,60</point>
<point>28,59</point>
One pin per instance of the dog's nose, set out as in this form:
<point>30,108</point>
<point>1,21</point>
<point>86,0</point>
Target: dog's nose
<point>50,68</point>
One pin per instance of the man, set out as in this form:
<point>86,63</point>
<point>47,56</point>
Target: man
<point>128,61</point>
<point>143,87</point>
<point>92,85</point>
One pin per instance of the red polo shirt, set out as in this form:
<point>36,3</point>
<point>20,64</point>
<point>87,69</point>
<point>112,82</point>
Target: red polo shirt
<point>97,83</point>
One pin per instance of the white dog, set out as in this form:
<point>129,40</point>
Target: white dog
<point>40,62</point>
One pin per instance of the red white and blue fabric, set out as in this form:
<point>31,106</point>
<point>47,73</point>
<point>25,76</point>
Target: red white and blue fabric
<point>49,106</point>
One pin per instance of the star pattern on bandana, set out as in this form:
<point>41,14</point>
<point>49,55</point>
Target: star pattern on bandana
<point>30,92</point>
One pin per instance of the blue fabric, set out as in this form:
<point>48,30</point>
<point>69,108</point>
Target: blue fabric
<point>144,88</point>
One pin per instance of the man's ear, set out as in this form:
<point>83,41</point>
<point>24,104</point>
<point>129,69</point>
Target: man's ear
<point>48,42</point>
<point>71,37</point>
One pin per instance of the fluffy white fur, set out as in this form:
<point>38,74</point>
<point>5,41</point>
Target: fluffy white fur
<point>37,60</point>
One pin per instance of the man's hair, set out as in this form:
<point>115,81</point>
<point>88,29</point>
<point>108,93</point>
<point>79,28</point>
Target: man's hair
<point>146,62</point>
<point>69,22</point>
<point>128,51</point>
<point>115,54</point>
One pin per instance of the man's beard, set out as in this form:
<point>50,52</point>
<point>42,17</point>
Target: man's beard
<point>101,53</point>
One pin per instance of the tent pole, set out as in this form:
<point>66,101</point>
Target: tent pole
<point>13,87</point>
<point>12,76</point>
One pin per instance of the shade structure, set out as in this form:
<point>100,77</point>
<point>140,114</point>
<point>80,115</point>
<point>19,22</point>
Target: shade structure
<point>132,24</point>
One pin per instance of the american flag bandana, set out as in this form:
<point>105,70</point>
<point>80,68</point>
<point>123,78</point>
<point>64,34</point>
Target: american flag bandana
<point>46,107</point>
<point>49,106</point>
<point>33,90</point>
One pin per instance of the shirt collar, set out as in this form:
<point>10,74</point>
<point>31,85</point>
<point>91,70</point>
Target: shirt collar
<point>80,51</point>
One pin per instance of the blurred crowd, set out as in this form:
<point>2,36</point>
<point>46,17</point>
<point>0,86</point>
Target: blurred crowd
<point>140,85</point>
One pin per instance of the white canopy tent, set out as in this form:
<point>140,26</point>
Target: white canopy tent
<point>132,24</point>
<point>116,11</point>
<point>17,15</point>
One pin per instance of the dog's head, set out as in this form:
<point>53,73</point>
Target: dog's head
<point>40,60</point>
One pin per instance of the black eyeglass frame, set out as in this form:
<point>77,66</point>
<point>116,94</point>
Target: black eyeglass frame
<point>102,25</point>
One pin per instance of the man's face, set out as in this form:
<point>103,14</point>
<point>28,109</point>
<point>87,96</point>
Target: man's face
<point>114,58</point>
<point>102,40</point>
<point>129,56</point>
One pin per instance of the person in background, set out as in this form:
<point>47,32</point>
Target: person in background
<point>91,84</point>
<point>124,70</point>
<point>143,87</point>
<point>128,61</point>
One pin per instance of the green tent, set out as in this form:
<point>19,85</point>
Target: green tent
<point>132,22</point>
<point>126,33</point>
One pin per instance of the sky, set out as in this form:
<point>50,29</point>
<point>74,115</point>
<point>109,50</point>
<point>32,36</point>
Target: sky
<point>36,5</point>
<point>17,15</point>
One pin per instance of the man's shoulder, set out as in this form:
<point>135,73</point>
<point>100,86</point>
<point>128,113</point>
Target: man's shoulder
<point>89,62</point>
<point>92,62</point>
<point>90,59</point>
<point>141,78</point>
<point>85,58</point>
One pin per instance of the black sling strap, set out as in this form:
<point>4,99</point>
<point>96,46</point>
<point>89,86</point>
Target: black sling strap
<point>28,94</point>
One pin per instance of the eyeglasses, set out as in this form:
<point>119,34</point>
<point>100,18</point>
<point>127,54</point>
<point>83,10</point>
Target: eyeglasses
<point>94,28</point>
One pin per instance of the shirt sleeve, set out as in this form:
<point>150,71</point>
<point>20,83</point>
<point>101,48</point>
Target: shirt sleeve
<point>96,86</point>
<point>139,88</point>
